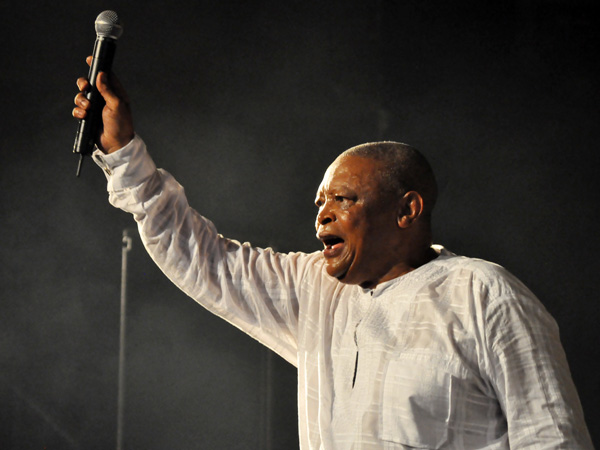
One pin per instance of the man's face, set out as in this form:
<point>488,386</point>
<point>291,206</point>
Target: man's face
<point>356,222</point>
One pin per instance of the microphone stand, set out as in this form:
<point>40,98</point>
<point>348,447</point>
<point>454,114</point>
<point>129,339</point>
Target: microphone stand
<point>126,247</point>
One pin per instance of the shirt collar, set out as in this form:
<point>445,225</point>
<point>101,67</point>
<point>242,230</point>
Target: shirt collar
<point>413,275</point>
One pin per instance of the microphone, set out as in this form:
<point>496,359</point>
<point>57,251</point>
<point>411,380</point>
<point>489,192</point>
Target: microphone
<point>108,30</point>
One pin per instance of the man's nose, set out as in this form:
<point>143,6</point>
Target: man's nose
<point>324,216</point>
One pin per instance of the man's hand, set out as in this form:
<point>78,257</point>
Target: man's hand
<point>117,128</point>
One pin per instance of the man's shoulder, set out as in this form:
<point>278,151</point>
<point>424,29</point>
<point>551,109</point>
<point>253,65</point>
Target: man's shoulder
<point>455,263</point>
<point>495,279</point>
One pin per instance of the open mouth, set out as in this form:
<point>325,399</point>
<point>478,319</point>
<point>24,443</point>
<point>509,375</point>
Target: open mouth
<point>333,245</point>
<point>332,241</point>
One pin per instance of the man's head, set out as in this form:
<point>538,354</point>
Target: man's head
<point>375,205</point>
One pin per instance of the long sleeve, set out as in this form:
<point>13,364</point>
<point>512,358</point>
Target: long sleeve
<point>529,371</point>
<point>256,290</point>
<point>455,354</point>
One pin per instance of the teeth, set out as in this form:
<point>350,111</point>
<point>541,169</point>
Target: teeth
<point>330,242</point>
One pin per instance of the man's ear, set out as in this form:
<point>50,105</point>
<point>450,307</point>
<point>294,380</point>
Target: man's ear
<point>410,209</point>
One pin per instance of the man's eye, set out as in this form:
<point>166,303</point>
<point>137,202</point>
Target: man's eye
<point>344,199</point>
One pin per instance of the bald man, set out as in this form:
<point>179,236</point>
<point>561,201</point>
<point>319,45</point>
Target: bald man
<point>398,343</point>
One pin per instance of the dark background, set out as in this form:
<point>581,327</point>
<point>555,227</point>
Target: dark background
<point>246,103</point>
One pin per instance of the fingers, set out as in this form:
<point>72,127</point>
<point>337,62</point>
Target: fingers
<point>110,87</point>
<point>117,122</point>
<point>81,101</point>
<point>113,93</point>
<point>83,84</point>
<point>83,104</point>
<point>79,113</point>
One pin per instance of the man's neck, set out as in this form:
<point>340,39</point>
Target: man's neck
<point>414,260</point>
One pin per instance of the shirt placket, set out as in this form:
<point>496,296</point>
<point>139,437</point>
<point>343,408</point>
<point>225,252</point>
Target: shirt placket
<point>364,310</point>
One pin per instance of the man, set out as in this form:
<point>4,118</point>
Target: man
<point>398,343</point>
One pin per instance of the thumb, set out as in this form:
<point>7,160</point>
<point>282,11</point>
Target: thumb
<point>107,92</point>
<point>116,115</point>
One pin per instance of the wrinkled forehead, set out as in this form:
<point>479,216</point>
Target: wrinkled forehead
<point>351,171</point>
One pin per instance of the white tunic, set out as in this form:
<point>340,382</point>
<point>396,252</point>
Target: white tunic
<point>457,354</point>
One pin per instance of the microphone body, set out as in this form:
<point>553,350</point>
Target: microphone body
<point>108,31</point>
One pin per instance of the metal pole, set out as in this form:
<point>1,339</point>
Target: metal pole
<point>126,247</point>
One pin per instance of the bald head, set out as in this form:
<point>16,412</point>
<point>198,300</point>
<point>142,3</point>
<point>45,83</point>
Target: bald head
<point>375,205</point>
<point>403,169</point>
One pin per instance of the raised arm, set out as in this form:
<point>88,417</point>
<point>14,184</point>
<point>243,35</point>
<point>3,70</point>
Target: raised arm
<point>256,290</point>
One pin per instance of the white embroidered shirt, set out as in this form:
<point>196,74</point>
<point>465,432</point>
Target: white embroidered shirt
<point>457,354</point>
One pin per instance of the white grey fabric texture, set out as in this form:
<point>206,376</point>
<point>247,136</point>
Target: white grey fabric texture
<point>457,354</point>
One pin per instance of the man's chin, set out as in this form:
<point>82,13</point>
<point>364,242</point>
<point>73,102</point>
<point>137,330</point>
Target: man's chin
<point>337,273</point>
<point>345,276</point>
<point>341,277</point>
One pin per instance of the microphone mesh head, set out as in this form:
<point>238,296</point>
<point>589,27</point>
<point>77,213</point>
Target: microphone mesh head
<point>107,25</point>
